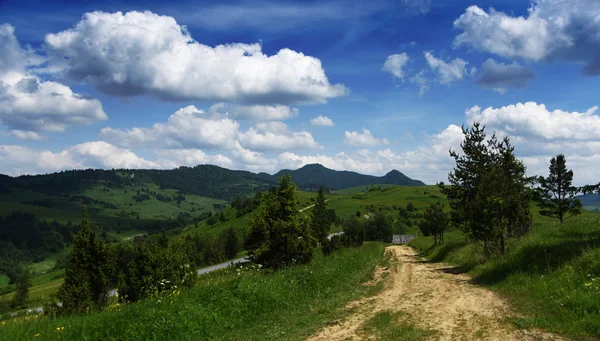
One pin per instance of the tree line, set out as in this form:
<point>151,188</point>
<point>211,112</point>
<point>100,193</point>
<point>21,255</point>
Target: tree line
<point>491,196</point>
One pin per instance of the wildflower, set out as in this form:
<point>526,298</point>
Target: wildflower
<point>36,335</point>
<point>57,329</point>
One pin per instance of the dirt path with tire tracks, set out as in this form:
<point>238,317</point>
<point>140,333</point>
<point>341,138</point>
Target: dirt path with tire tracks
<point>435,299</point>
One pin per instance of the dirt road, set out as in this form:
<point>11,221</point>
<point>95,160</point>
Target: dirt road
<point>435,299</point>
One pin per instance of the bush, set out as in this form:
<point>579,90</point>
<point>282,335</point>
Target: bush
<point>330,245</point>
<point>147,268</point>
<point>354,231</point>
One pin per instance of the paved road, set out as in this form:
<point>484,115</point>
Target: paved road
<point>222,266</point>
<point>199,272</point>
<point>311,206</point>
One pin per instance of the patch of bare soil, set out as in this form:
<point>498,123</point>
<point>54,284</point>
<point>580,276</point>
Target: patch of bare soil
<point>436,299</point>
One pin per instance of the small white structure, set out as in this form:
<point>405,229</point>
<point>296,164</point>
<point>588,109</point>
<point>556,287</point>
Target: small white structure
<point>402,238</point>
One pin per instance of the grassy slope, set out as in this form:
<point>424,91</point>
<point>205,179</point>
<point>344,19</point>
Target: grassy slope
<point>287,305</point>
<point>354,199</point>
<point>548,275</point>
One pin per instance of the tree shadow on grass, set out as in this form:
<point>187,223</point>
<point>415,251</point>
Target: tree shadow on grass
<point>540,258</point>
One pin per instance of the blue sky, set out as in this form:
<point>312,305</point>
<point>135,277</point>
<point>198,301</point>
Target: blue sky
<point>264,85</point>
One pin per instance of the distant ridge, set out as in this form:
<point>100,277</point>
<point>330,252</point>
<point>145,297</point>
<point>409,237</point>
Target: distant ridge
<point>205,180</point>
<point>315,175</point>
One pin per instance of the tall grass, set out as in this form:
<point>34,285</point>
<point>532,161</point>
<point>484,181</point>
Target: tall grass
<point>252,305</point>
<point>551,276</point>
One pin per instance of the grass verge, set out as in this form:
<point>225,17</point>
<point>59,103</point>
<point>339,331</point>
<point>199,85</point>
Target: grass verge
<point>287,305</point>
<point>551,276</point>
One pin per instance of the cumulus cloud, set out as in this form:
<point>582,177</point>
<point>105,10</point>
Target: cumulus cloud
<point>500,76</point>
<point>539,134</point>
<point>276,136</point>
<point>534,120</point>
<point>448,72</point>
<point>30,105</point>
<point>365,139</point>
<point>322,121</point>
<point>394,64</point>
<point>552,31</point>
<point>145,53</point>
<point>255,112</point>
<point>18,160</point>
<point>188,127</point>
<point>430,162</point>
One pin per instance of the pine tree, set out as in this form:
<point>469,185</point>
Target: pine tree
<point>87,277</point>
<point>279,235</point>
<point>488,191</point>
<point>23,284</point>
<point>321,221</point>
<point>232,242</point>
<point>556,192</point>
<point>435,222</point>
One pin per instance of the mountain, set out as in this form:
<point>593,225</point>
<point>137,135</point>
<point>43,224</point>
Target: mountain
<point>203,180</point>
<point>314,175</point>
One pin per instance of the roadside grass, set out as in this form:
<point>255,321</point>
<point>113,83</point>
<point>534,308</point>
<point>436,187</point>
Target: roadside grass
<point>387,325</point>
<point>253,305</point>
<point>551,276</point>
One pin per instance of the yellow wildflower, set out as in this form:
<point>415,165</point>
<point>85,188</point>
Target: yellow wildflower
<point>36,335</point>
<point>57,329</point>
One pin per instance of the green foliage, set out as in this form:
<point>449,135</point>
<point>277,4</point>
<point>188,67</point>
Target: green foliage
<point>435,222</point>
<point>550,275</point>
<point>556,192</point>
<point>378,227</point>
<point>354,231</point>
<point>232,242</point>
<point>321,219</point>
<point>488,190</point>
<point>23,284</point>
<point>252,306</point>
<point>148,268</point>
<point>279,235</point>
<point>335,243</point>
<point>88,275</point>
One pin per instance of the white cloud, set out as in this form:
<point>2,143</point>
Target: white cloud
<point>253,160</point>
<point>18,160</point>
<point>145,53</point>
<point>394,64</point>
<point>421,80</point>
<point>322,121</point>
<point>188,127</point>
<point>500,76</point>
<point>552,31</point>
<point>448,72</point>
<point>23,135</point>
<point>255,112</point>
<point>276,136</point>
<point>532,120</point>
<point>30,105</point>
<point>365,139</point>
<point>173,158</point>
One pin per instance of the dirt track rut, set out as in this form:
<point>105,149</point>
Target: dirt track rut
<point>435,299</point>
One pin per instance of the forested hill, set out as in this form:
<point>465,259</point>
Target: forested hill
<point>312,176</point>
<point>204,180</point>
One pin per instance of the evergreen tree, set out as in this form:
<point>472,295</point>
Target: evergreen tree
<point>279,235</point>
<point>87,277</point>
<point>232,242</point>
<point>435,222</point>
<point>556,193</point>
<point>488,192</point>
<point>23,284</point>
<point>321,221</point>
